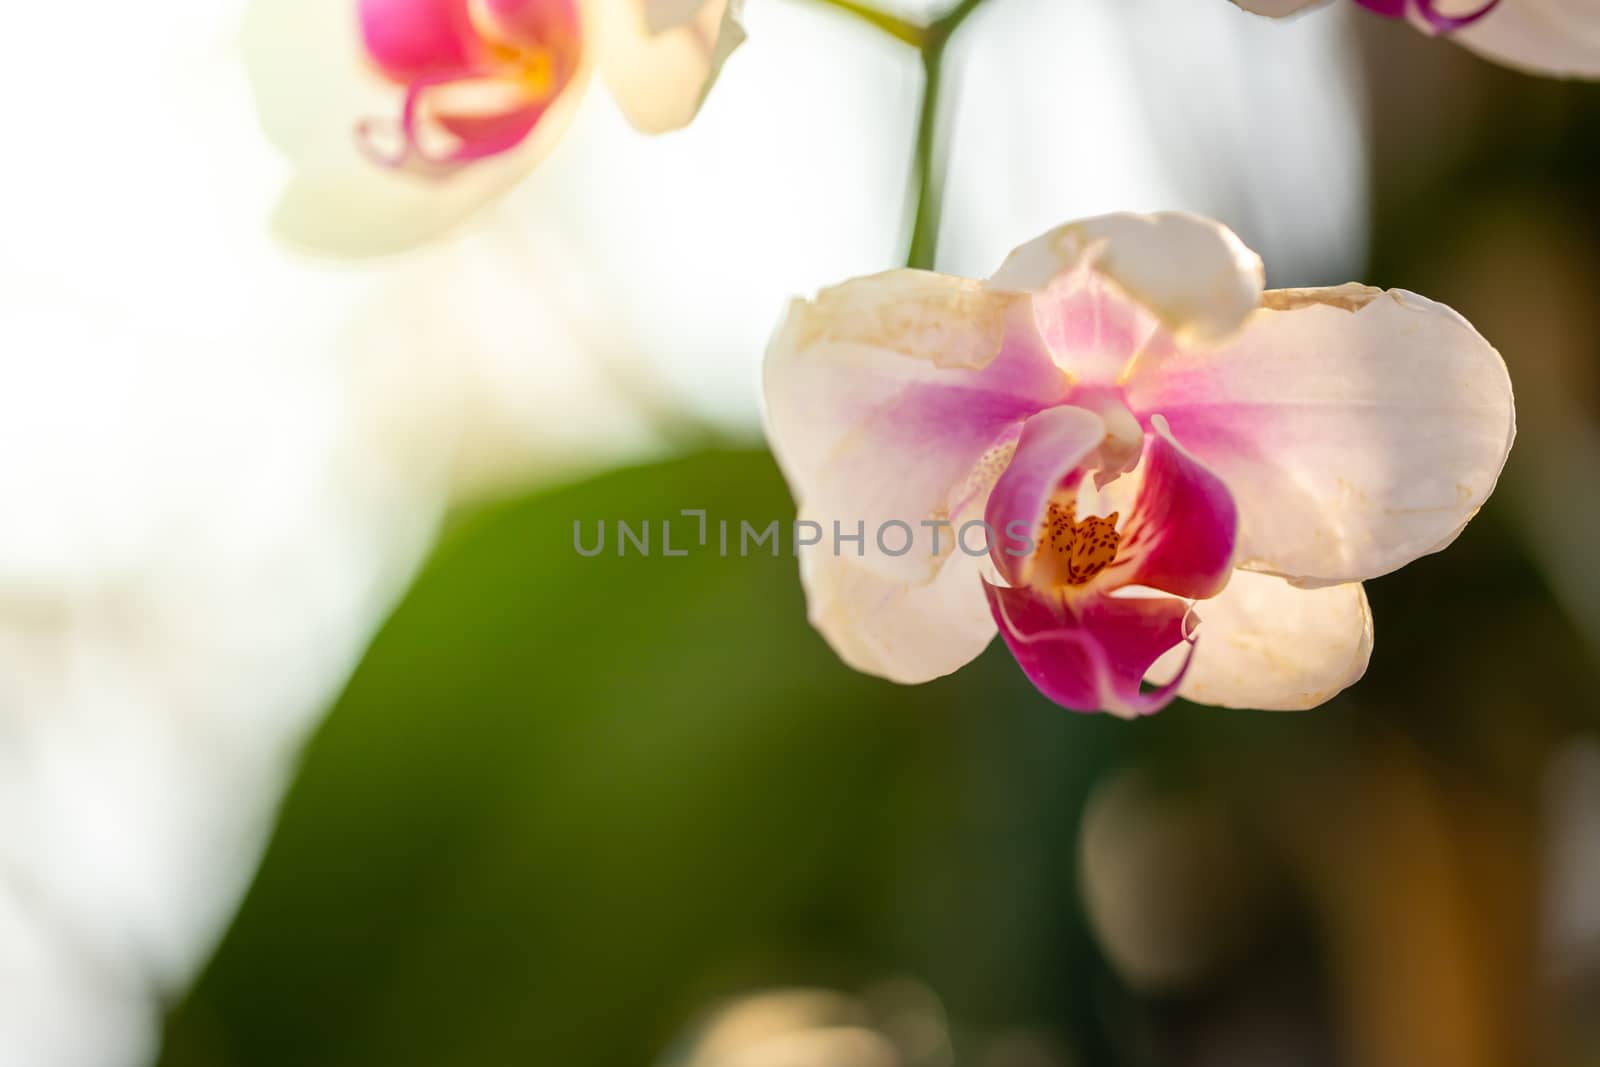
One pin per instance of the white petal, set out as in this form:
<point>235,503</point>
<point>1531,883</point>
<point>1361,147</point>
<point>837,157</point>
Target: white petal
<point>1357,429</point>
<point>312,86</point>
<point>1279,8</point>
<point>888,399</point>
<point>1551,37</point>
<point>660,57</point>
<point>361,208</point>
<point>903,632</point>
<point>310,78</point>
<point>1266,644</point>
<point>1193,274</point>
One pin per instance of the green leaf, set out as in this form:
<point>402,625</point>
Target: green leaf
<point>565,802</point>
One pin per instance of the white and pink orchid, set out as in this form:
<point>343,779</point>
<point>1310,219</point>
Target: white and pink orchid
<point>1552,37</point>
<point>1180,477</point>
<point>402,117</point>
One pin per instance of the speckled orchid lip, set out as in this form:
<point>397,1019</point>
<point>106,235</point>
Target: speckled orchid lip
<point>1063,613</point>
<point>1428,11</point>
<point>478,76</point>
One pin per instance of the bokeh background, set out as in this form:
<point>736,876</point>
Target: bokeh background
<point>320,745</point>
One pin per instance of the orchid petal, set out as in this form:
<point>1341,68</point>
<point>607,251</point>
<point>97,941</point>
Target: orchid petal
<point>1279,8</point>
<point>1192,274</point>
<point>1180,533</point>
<point>409,39</point>
<point>661,57</point>
<point>1092,654</point>
<point>1427,17</point>
<point>1049,451</point>
<point>1549,37</point>
<point>1263,643</point>
<point>362,208</point>
<point>308,66</point>
<point>552,24</point>
<point>903,632</point>
<point>1357,429</point>
<point>1093,328</point>
<point>321,99</point>
<point>898,397</point>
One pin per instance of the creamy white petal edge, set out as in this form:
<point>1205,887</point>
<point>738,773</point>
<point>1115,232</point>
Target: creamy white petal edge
<point>882,396</point>
<point>904,632</point>
<point>661,57</point>
<point>1193,274</point>
<point>1279,8</point>
<point>1266,644</point>
<point>1549,37</point>
<point>1357,429</point>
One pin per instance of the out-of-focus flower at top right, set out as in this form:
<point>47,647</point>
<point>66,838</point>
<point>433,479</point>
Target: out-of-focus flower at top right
<point>1560,38</point>
<point>403,117</point>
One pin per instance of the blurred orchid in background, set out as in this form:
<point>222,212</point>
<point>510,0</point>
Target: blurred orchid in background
<point>1125,403</point>
<point>897,1023</point>
<point>1553,37</point>
<point>403,117</point>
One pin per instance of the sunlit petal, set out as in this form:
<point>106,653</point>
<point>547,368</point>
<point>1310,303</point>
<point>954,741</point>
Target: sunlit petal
<point>904,632</point>
<point>1192,274</point>
<point>890,396</point>
<point>1357,429</point>
<point>1550,37</point>
<point>661,58</point>
<point>1263,643</point>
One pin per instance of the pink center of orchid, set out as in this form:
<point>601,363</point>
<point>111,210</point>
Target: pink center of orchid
<point>1090,606</point>
<point>1070,552</point>
<point>478,76</point>
<point>1428,11</point>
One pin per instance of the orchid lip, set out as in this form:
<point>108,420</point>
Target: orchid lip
<point>1080,642</point>
<point>470,94</point>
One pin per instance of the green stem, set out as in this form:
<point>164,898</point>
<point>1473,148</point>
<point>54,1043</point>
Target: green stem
<point>927,172</point>
<point>898,28</point>
<point>930,158</point>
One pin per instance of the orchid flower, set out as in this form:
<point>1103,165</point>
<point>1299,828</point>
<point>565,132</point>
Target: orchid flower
<point>402,117</point>
<point>1553,37</point>
<point>1130,460</point>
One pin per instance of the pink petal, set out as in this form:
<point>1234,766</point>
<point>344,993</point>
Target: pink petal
<point>1092,654</point>
<point>487,135</point>
<point>468,135</point>
<point>1181,534</point>
<point>898,398</point>
<point>1356,429</point>
<point>1053,445</point>
<point>1427,12</point>
<point>413,39</point>
<point>534,22</point>
<point>1092,327</point>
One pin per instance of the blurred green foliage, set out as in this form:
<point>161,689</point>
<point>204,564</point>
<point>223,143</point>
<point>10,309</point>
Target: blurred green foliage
<point>565,801</point>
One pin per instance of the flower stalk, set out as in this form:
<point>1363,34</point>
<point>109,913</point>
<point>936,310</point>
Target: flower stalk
<point>930,155</point>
